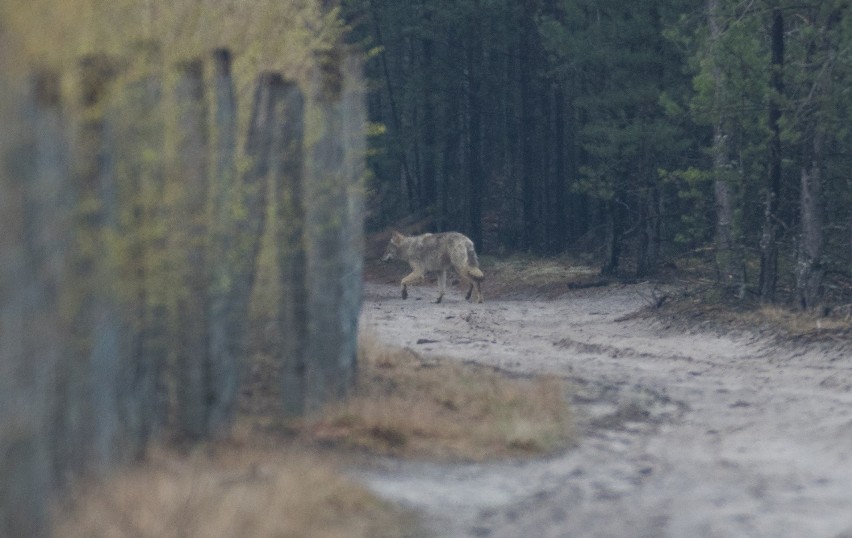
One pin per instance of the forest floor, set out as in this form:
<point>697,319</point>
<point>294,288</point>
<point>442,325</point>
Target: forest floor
<point>692,423</point>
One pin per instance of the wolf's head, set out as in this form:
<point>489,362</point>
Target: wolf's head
<point>393,249</point>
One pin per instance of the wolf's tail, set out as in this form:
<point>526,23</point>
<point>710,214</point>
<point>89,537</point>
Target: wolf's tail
<point>473,269</point>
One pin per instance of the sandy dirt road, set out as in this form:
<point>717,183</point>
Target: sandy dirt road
<point>683,433</point>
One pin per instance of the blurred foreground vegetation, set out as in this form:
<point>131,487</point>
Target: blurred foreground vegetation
<point>146,149</point>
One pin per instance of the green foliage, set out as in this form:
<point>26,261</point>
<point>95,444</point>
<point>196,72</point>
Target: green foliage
<point>694,189</point>
<point>267,34</point>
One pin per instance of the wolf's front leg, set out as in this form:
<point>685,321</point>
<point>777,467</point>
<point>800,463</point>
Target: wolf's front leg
<point>408,280</point>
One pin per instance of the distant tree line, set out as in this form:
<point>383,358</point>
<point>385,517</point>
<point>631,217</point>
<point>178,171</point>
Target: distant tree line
<point>638,132</point>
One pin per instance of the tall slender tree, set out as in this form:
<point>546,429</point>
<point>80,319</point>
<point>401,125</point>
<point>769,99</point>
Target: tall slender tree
<point>729,263</point>
<point>769,239</point>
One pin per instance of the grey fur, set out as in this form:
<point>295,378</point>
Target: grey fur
<point>437,252</point>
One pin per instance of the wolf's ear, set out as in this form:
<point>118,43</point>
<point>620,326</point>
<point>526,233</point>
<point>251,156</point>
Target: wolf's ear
<point>396,237</point>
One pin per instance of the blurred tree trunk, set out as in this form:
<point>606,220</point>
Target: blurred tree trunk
<point>149,119</point>
<point>35,205</point>
<point>190,324</point>
<point>288,176</point>
<point>95,392</point>
<point>355,152</point>
<point>225,334</point>
<point>330,373</point>
<point>242,238</point>
<point>138,121</point>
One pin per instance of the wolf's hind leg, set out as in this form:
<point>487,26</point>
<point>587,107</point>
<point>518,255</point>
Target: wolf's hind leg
<point>478,291</point>
<point>465,279</point>
<point>442,283</point>
<point>474,283</point>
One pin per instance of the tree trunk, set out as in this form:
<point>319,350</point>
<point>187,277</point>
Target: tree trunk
<point>429,181</point>
<point>649,243</point>
<point>355,150</point>
<point>476,178</point>
<point>289,238</point>
<point>769,238</point>
<point>226,335</point>
<point>809,270</point>
<point>397,141</point>
<point>92,424</point>
<point>579,216</point>
<point>730,267</point>
<point>191,322</point>
<point>450,164</point>
<point>559,232</point>
<point>35,210</point>
<point>527,129</point>
<point>331,371</point>
<point>140,172</point>
<point>612,240</point>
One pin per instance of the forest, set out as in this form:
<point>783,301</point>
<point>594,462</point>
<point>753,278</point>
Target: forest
<point>640,134</point>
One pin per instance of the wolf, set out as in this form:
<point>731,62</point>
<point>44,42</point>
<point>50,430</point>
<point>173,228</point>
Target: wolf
<point>437,252</point>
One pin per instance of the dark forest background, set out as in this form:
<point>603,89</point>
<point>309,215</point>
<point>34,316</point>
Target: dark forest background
<point>639,133</point>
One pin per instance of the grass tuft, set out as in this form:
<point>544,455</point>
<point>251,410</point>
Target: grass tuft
<point>408,406</point>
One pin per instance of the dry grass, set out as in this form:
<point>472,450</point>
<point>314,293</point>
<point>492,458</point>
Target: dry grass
<point>700,307</point>
<point>276,479</point>
<point>547,277</point>
<point>797,322</point>
<point>442,409</point>
<point>270,479</point>
<point>233,492</point>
